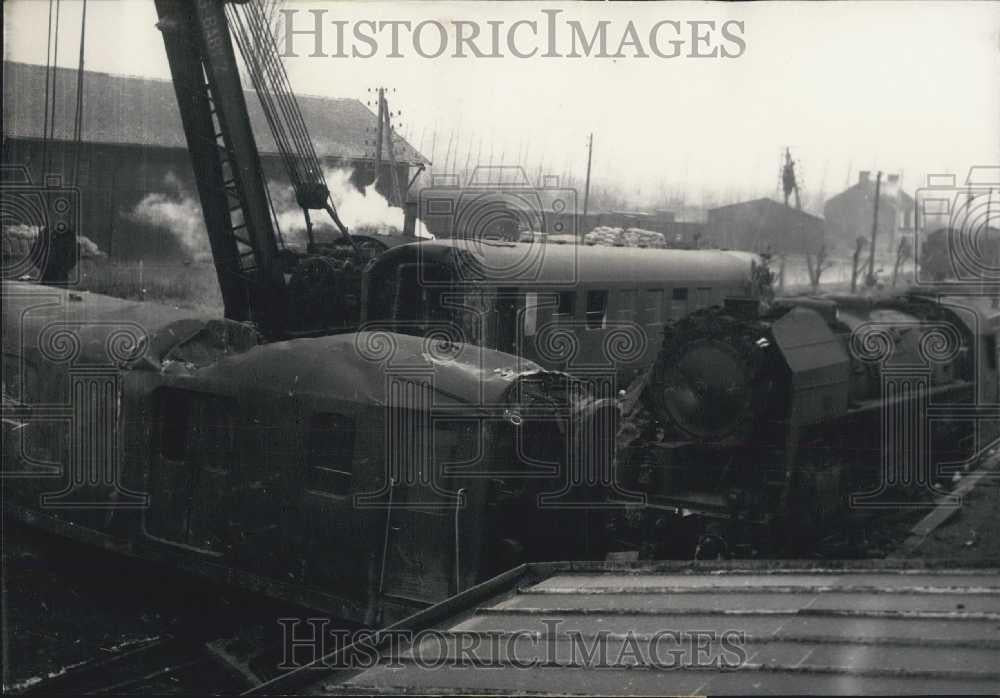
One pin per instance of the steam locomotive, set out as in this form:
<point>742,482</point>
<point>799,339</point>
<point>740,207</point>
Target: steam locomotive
<point>785,421</point>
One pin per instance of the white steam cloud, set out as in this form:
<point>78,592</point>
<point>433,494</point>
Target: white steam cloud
<point>366,212</point>
<point>181,215</point>
<point>363,212</point>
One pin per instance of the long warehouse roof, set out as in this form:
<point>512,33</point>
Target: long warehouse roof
<point>131,110</point>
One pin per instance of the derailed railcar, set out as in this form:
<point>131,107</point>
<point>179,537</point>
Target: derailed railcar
<point>589,310</point>
<point>365,474</point>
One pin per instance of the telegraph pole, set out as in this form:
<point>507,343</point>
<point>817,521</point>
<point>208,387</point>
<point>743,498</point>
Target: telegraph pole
<point>996,247</point>
<point>871,250</point>
<point>396,194</point>
<point>789,182</point>
<point>378,141</point>
<point>384,146</point>
<point>586,192</point>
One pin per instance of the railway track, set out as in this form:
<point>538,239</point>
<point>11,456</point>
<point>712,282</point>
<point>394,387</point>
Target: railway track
<point>80,622</point>
<point>224,652</point>
<point>159,660</point>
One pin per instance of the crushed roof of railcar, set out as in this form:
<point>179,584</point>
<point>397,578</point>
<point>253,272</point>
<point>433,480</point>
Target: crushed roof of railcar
<point>54,325</point>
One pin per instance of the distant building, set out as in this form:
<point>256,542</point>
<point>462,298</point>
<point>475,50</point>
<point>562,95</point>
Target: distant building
<point>133,145</point>
<point>764,225</point>
<point>849,214</point>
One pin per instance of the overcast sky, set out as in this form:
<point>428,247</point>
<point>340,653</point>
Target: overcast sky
<point>913,88</point>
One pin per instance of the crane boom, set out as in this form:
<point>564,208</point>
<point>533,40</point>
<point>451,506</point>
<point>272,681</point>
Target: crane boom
<point>283,292</point>
<point>225,159</point>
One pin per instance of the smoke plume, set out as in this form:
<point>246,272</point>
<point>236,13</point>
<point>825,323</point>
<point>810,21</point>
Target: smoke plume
<point>366,212</point>
<point>181,215</point>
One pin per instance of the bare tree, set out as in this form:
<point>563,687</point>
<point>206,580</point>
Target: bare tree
<point>903,252</point>
<point>859,246</point>
<point>817,266</point>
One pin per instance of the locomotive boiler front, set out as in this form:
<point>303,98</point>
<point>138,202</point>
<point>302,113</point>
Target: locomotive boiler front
<point>725,377</point>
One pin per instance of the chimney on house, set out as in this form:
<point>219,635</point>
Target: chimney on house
<point>864,176</point>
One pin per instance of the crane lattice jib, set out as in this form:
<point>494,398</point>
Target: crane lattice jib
<point>226,162</point>
<point>254,270</point>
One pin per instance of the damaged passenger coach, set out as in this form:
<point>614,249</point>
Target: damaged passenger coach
<point>364,474</point>
<point>587,310</point>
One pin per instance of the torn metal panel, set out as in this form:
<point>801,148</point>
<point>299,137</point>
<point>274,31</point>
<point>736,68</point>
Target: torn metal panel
<point>47,322</point>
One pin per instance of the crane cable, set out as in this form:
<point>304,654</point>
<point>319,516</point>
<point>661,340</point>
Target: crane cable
<point>52,91</point>
<point>265,67</point>
<point>51,64</point>
<point>260,54</point>
<point>78,118</point>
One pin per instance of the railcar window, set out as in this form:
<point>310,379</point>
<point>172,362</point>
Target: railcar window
<point>704,297</point>
<point>12,388</point>
<point>678,305</point>
<point>41,444</point>
<point>417,302</point>
<point>197,426</point>
<point>474,313</point>
<point>597,308</point>
<point>173,424</point>
<point>654,305</point>
<point>458,445</point>
<point>567,303</point>
<point>991,352</point>
<point>330,453</point>
<point>22,383</point>
<point>530,314</point>
<point>626,306</point>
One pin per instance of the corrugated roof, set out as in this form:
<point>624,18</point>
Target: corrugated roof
<point>763,628</point>
<point>143,111</point>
